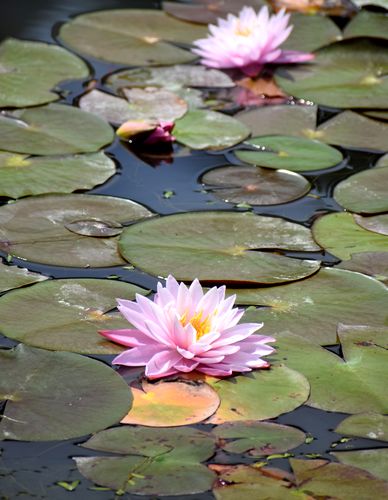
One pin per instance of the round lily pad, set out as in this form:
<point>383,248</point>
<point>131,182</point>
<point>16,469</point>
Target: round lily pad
<point>364,192</point>
<point>30,70</point>
<point>365,425</point>
<point>35,229</point>
<point>218,246</point>
<point>136,37</point>
<point>373,461</point>
<point>291,153</point>
<point>261,395</point>
<point>15,277</point>
<point>375,223</point>
<point>255,185</point>
<point>66,314</point>
<point>202,129</point>
<point>57,395</point>
<point>152,461</point>
<point>340,235</point>
<point>168,404</point>
<point>367,24</point>
<point>372,263</point>
<point>354,384</point>
<point>344,75</point>
<point>54,129</point>
<point>149,104</point>
<point>173,77</point>
<point>258,438</point>
<point>21,175</point>
<point>330,297</point>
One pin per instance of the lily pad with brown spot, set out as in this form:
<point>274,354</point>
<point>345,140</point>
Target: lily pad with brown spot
<point>15,277</point>
<point>319,303</point>
<point>258,438</point>
<point>169,404</point>
<point>21,175</point>
<point>219,246</point>
<point>57,395</point>
<point>255,185</point>
<point>35,229</point>
<point>66,314</point>
<point>136,37</point>
<point>151,461</point>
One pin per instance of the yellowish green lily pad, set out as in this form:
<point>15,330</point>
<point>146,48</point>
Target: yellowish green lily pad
<point>365,425</point>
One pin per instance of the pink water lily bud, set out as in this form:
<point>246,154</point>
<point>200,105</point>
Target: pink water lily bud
<point>184,329</point>
<point>159,131</point>
<point>162,133</point>
<point>248,41</point>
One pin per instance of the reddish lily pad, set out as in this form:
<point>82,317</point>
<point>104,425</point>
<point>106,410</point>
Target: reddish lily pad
<point>57,395</point>
<point>365,425</point>
<point>21,175</point>
<point>152,461</point>
<point>261,395</point>
<point>169,404</point>
<point>136,37</point>
<point>364,192</point>
<point>258,438</point>
<point>15,277</point>
<point>330,297</point>
<point>218,246</point>
<point>66,314</point>
<point>36,229</point>
<point>255,185</point>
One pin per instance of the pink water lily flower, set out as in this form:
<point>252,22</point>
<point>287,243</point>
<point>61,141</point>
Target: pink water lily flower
<point>158,131</point>
<point>248,41</point>
<point>184,329</point>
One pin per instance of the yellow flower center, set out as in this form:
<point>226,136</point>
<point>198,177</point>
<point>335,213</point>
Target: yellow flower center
<point>201,325</point>
<point>242,31</point>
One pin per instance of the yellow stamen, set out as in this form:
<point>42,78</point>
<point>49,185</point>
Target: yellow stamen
<point>201,325</point>
<point>241,31</point>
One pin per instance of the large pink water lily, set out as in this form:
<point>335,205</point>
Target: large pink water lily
<point>248,41</point>
<point>184,329</point>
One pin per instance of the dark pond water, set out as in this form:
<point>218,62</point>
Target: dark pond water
<point>31,470</point>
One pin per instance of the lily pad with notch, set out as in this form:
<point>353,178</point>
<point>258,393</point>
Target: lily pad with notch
<point>136,37</point>
<point>36,229</point>
<point>23,175</point>
<point>151,461</point>
<point>290,153</point>
<point>66,314</point>
<point>54,129</point>
<point>218,246</point>
<point>57,395</point>
<point>255,185</point>
<point>319,303</point>
<point>30,70</point>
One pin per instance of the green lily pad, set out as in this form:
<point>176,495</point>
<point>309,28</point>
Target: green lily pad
<point>30,70</point>
<point>57,395</point>
<point>354,384</point>
<point>383,161</point>
<point>320,478</point>
<point>201,129</point>
<point>54,129</point>
<point>372,263</point>
<point>368,24</point>
<point>310,33</point>
<point>375,223</point>
<point>15,277</point>
<point>339,234</point>
<point>66,314</point>
<point>348,74</point>
<point>255,185</point>
<point>258,438</point>
<point>364,192</point>
<point>21,175</point>
<point>291,153</point>
<point>379,115</point>
<point>217,246</point>
<point>153,461</point>
<point>149,104</point>
<point>373,461</point>
<point>365,425</point>
<point>330,297</point>
<point>261,395</point>
<point>36,229</point>
<point>136,37</point>
<point>172,77</point>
